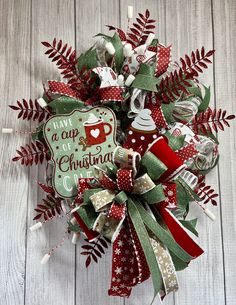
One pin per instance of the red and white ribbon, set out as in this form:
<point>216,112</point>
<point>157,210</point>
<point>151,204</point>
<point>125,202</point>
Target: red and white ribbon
<point>163,60</point>
<point>61,88</point>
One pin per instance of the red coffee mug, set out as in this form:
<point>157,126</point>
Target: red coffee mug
<point>95,132</point>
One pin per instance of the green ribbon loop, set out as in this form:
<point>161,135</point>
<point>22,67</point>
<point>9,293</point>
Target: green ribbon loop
<point>121,197</point>
<point>88,193</point>
<point>155,195</point>
<point>164,236</point>
<point>88,214</point>
<point>146,245</point>
<point>155,168</point>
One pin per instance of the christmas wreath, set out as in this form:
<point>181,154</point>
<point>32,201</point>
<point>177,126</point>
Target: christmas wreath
<point>128,139</point>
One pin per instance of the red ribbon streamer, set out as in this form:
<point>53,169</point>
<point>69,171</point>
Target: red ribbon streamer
<point>83,184</point>
<point>179,234</point>
<point>158,116</point>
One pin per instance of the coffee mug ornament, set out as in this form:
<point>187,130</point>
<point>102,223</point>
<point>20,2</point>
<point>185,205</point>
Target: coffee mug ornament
<point>127,141</point>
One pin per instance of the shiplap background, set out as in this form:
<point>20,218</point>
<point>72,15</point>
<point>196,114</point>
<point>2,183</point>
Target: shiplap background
<point>186,25</point>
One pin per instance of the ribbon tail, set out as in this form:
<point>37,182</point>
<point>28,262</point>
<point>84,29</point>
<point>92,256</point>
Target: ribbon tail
<point>179,233</point>
<point>146,245</point>
<point>162,234</point>
<point>143,269</point>
<point>166,266</point>
<point>163,60</point>
<point>123,261</point>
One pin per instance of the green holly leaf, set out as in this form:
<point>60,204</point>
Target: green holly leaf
<point>154,42</point>
<point>145,79</point>
<point>167,111</point>
<point>196,91</point>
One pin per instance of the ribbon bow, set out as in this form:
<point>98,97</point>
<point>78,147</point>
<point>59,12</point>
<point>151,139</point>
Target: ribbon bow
<point>129,203</point>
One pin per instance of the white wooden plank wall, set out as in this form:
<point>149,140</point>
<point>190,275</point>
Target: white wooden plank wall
<point>186,25</point>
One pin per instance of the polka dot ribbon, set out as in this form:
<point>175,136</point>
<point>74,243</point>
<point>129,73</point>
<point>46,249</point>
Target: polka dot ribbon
<point>158,116</point>
<point>125,180</point>
<point>117,211</point>
<point>106,182</point>
<point>163,60</point>
<point>61,88</point>
<point>112,93</point>
<point>187,152</point>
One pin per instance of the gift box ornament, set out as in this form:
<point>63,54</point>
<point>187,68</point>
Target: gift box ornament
<point>128,140</point>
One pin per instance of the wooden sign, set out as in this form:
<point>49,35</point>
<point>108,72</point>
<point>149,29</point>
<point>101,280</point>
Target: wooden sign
<point>77,142</point>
